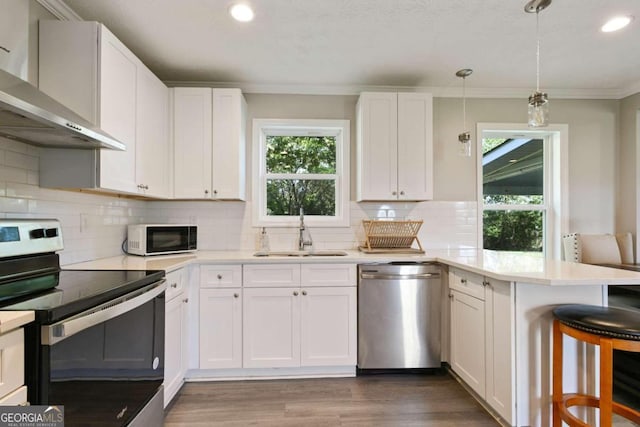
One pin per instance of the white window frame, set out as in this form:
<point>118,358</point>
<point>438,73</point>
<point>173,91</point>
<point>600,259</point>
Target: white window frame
<point>556,178</point>
<point>262,128</point>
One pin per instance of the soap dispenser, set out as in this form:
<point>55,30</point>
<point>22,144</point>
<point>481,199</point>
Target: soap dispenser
<point>264,240</point>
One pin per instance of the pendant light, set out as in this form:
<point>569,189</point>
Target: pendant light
<point>465,137</point>
<point>538,101</point>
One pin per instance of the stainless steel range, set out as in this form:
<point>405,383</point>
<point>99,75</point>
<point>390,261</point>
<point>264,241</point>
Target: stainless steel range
<point>97,344</point>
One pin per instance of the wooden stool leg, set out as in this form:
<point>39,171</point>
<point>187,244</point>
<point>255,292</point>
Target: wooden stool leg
<point>606,381</point>
<point>557,373</point>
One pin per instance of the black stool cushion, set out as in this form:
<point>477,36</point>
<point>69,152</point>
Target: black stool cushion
<point>607,321</point>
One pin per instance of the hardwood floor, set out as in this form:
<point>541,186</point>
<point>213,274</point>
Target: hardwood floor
<point>374,400</point>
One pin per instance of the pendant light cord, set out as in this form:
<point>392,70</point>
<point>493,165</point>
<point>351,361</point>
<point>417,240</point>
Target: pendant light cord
<point>464,105</point>
<point>537,52</point>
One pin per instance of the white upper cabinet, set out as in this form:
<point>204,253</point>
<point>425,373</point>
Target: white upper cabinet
<point>14,37</point>
<point>209,143</point>
<point>152,135</point>
<point>394,146</point>
<point>86,68</point>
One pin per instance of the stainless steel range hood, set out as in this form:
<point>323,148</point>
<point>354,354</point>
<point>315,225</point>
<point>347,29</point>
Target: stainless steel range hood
<point>30,116</point>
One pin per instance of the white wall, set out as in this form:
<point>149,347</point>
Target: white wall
<point>593,136</point>
<point>628,162</point>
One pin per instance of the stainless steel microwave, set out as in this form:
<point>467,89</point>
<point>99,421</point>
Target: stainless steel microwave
<point>159,239</point>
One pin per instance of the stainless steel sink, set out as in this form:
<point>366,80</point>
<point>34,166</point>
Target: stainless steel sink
<point>299,253</point>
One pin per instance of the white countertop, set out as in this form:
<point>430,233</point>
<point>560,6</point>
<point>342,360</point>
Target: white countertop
<point>10,320</point>
<point>507,266</point>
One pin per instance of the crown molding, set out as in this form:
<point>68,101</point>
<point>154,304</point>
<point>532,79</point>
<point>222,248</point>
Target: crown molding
<point>60,10</point>
<point>438,92</point>
<point>630,90</point>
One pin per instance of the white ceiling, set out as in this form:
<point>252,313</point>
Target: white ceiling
<point>342,46</point>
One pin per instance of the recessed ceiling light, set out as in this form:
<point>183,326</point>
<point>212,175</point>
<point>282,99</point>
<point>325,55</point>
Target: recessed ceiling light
<point>241,12</point>
<point>617,23</point>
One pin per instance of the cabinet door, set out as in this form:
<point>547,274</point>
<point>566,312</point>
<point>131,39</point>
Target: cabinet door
<point>220,328</point>
<point>377,146</point>
<point>415,146</point>
<point>152,135</point>
<point>500,354</point>
<point>14,37</point>
<point>328,326</point>
<point>228,144</point>
<point>117,112</point>
<point>467,340</point>
<point>174,345</point>
<point>192,142</point>
<point>271,327</point>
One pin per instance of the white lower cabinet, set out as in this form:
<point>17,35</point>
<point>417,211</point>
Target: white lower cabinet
<point>175,335</point>
<point>220,328</point>
<point>269,316</point>
<point>12,389</point>
<point>482,332</point>
<point>467,340</point>
<point>271,327</point>
<point>328,319</point>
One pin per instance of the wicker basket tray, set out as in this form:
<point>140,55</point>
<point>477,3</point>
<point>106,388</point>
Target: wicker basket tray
<point>395,235</point>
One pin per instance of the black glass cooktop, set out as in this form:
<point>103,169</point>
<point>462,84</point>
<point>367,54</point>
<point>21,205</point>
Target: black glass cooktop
<point>64,293</point>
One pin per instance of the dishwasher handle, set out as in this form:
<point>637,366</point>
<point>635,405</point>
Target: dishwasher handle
<point>383,276</point>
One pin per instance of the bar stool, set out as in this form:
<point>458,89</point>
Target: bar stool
<point>607,327</point>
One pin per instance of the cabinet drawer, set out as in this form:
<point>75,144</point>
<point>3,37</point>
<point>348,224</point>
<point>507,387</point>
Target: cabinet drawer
<point>11,361</point>
<point>467,283</point>
<point>17,397</point>
<point>315,275</point>
<point>271,275</point>
<point>220,276</point>
<point>175,283</point>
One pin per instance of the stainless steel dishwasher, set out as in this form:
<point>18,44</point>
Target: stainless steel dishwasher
<point>399,315</point>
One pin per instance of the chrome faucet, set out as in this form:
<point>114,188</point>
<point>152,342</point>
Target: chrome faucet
<point>302,243</point>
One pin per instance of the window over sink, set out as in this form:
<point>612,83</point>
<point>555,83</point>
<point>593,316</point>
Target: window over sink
<point>301,164</point>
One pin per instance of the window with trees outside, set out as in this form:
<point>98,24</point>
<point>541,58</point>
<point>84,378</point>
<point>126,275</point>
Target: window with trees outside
<point>301,164</point>
<point>514,187</point>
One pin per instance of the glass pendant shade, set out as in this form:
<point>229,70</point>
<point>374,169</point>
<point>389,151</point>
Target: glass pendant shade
<point>538,110</point>
<point>465,144</point>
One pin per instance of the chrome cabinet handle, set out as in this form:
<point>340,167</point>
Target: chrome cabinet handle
<point>295,293</point>
<point>174,285</point>
<point>304,292</point>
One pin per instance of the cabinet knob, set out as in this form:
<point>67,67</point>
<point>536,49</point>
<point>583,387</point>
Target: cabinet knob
<point>236,295</point>
<point>450,296</point>
<point>219,276</point>
<point>304,292</point>
<point>463,281</point>
<point>174,285</point>
<point>485,283</point>
<point>206,191</point>
<point>215,192</point>
<point>146,187</point>
<point>295,293</point>
<point>402,193</point>
<point>394,193</point>
<point>186,300</point>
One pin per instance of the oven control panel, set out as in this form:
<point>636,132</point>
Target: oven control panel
<point>30,236</point>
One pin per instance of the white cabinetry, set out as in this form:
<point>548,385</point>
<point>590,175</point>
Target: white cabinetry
<point>14,37</point>
<point>12,389</point>
<point>481,352</point>
<point>299,315</point>
<point>394,146</point>
<point>209,143</point>
<point>220,316</point>
<point>175,334</point>
<point>85,67</point>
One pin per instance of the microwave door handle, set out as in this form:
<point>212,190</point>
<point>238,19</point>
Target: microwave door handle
<point>54,333</point>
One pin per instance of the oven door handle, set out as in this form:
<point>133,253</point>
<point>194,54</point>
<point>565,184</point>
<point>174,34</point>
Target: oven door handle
<point>54,333</point>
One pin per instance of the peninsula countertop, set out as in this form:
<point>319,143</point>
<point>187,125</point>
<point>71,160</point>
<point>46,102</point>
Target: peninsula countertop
<point>508,266</point>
